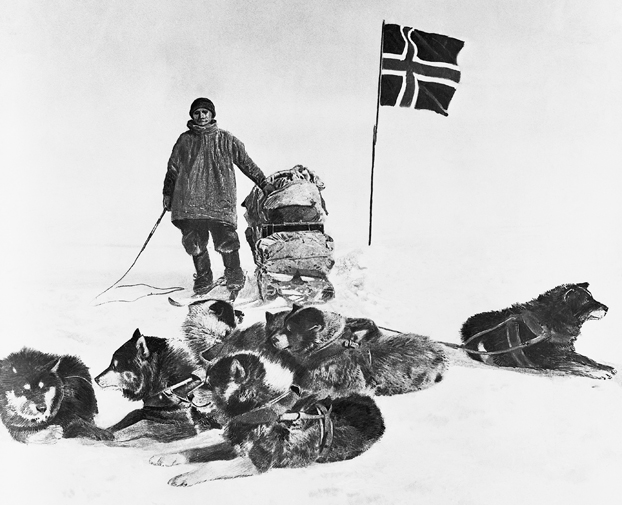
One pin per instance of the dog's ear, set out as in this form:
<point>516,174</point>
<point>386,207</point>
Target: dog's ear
<point>584,285</point>
<point>56,365</point>
<point>217,308</point>
<point>136,334</point>
<point>141,347</point>
<point>237,370</point>
<point>269,317</point>
<point>316,319</point>
<point>239,316</point>
<point>295,308</point>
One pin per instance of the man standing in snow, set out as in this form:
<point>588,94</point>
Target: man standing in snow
<point>200,191</point>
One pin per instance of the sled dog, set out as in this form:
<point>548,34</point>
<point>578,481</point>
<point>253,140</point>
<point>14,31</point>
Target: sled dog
<point>208,323</point>
<point>44,397</point>
<point>270,423</point>
<point>339,355</point>
<point>148,369</point>
<point>538,334</point>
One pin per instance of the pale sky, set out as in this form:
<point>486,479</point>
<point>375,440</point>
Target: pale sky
<point>94,95</point>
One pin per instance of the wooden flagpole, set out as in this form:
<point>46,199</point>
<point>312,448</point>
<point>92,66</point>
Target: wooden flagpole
<point>373,147</point>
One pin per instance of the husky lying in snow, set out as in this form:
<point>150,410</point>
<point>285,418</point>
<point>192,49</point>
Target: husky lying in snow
<point>542,333</point>
<point>207,323</point>
<point>144,369</point>
<point>340,355</point>
<point>44,397</point>
<point>332,355</point>
<point>268,425</point>
<point>148,369</point>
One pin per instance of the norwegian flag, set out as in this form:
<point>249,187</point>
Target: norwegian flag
<point>419,69</point>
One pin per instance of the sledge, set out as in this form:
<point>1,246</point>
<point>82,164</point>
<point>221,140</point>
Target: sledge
<point>297,288</point>
<point>292,254</point>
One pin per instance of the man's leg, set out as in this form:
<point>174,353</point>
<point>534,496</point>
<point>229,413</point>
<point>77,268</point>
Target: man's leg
<point>227,243</point>
<point>195,237</point>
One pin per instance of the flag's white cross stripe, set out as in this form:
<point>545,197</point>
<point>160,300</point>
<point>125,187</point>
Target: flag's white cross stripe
<point>418,76</point>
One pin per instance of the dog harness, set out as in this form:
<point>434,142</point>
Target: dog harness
<point>344,341</point>
<point>515,345</point>
<point>265,415</point>
<point>326,424</point>
<point>186,399</point>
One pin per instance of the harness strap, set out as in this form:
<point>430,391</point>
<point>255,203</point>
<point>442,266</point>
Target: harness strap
<point>326,428</point>
<point>333,349</point>
<point>323,416</point>
<point>513,339</point>
<point>484,332</point>
<point>515,345</point>
<point>293,390</point>
<point>169,392</point>
<point>346,342</point>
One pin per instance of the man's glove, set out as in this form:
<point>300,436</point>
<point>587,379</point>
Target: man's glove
<point>166,202</point>
<point>267,188</point>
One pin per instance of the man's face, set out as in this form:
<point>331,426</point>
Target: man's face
<point>202,117</point>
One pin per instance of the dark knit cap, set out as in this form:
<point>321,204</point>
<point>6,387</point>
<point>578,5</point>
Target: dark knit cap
<point>203,103</point>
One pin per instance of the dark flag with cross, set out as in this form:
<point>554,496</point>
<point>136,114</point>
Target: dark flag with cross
<point>418,70</point>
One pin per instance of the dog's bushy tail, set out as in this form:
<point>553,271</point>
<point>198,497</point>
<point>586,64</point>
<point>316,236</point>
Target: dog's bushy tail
<point>406,362</point>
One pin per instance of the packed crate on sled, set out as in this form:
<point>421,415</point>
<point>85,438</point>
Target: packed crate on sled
<point>288,252</point>
<point>286,234</point>
<point>296,199</point>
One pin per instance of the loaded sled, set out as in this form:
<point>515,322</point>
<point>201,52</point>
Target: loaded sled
<point>292,254</point>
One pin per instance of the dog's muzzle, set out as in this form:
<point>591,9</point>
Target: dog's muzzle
<point>599,313</point>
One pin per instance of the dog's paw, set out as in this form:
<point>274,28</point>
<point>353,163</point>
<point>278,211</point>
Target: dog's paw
<point>608,368</point>
<point>599,374</point>
<point>201,474</point>
<point>183,480</point>
<point>168,459</point>
<point>190,478</point>
<point>50,435</point>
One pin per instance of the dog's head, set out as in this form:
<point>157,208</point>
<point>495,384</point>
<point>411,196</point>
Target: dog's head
<point>132,366</point>
<point>582,304</point>
<point>211,320</point>
<point>297,331</point>
<point>274,322</point>
<point>218,310</point>
<point>246,380</point>
<point>32,393</point>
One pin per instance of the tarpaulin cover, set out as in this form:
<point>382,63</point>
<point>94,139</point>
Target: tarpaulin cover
<point>308,252</point>
<point>296,199</point>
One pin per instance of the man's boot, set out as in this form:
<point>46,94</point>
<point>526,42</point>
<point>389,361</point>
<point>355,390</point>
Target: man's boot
<point>234,275</point>
<point>204,278</point>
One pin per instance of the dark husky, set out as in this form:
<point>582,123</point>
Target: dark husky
<point>340,355</point>
<point>270,426</point>
<point>44,397</point>
<point>147,369</point>
<point>538,334</point>
<point>251,338</point>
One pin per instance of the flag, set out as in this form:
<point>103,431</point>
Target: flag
<point>419,69</point>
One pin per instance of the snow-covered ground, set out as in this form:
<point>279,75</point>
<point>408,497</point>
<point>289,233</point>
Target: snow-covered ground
<point>517,191</point>
<point>479,437</point>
